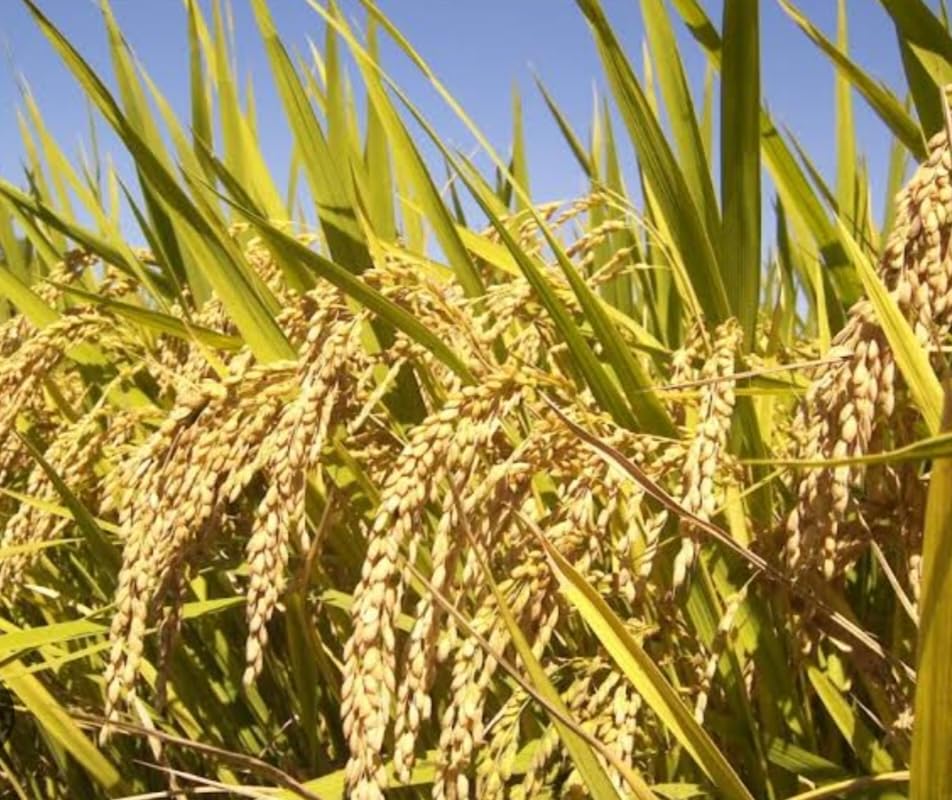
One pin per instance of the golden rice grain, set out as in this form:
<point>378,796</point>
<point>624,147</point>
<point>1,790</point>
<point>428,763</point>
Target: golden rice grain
<point>850,402</point>
<point>709,443</point>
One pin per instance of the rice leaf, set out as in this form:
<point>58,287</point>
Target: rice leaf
<point>794,189</point>
<point>325,168</point>
<point>641,400</point>
<point>644,674</point>
<point>356,288</point>
<point>932,733</point>
<point>881,99</point>
<point>380,204</point>
<point>245,297</point>
<point>55,509</point>
<point>30,304</point>
<point>520,166</point>
<point>684,123</point>
<point>412,165</point>
<point>157,321</point>
<point>20,641</point>
<point>873,755</point>
<point>740,162</point>
<point>57,723</point>
<point>201,114</point>
<point>596,779</point>
<point>242,153</point>
<point>850,786</point>
<point>99,543</point>
<point>685,222</point>
<point>801,199</point>
<point>898,161</point>
<point>32,547</point>
<point>799,761</point>
<point>846,166</point>
<point>565,127</point>
<point>333,785</point>
<point>926,49</point>
<point>140,119</point>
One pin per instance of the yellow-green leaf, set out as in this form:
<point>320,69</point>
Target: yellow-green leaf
<point>645,675</point>
<point>932,734</point>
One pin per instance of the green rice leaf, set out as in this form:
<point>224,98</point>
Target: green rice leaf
<point>795,190</point>
<point>140,118</point>
<point>326,169</point>
<point>98,542</point>
<point>520,165</point>
<point>596,779</point>
<point>19,641</point>
<point>353,286</point>
<point>242,153</point>
<point>248,302</point>
<point>571,138</point>
<point>801,199</point>
<point>926,49</point>
<point>890,108</point>
<point>55,509</point>
<point>333,786</point>
<point>116,255</point>
<point>898,160</point>
<point>932,734</point>
<point>670,190</point>
<point>641,400</point>
<point>412,165</point>
<point>854,730</point>
<point>110,235</point>
<point>157,321</point>
<point>32,547</point>
<point>799,761</point>
<point>861,786</point>
<point>644,675</point>
<point>740,162</point>
<point>30,304</point>
<point>684,123</point>
<point>380,206</point>
<point>57,723</point>
<point>701,28</point>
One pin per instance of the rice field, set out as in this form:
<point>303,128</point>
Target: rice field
<point>327,488</point>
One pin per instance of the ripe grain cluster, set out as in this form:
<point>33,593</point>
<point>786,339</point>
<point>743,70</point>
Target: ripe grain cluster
<point>368,499</point>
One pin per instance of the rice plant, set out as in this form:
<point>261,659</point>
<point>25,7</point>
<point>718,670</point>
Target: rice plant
<point>324,487</point>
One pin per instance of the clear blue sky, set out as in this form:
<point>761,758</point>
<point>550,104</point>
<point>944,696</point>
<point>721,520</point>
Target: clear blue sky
<point>480,48</point>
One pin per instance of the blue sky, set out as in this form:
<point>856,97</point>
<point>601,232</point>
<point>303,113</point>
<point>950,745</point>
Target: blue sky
<point>480,48</point>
